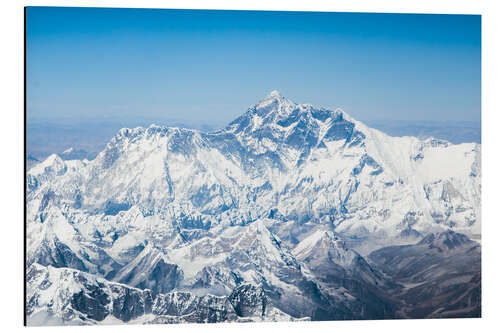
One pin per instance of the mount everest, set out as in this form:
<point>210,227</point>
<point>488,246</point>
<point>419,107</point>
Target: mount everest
<point>291,212</point>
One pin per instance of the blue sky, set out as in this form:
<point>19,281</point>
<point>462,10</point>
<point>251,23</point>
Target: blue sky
<point>89,64</point>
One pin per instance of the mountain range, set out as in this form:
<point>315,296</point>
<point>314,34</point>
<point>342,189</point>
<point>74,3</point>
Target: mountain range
<point>291,212</point>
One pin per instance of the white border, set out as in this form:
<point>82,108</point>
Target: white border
<point>11,131</point>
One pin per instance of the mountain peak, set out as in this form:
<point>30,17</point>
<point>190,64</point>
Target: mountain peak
<point>274,101</point>
<point>301,126</point>
<point>445,240</point>
<point>274,97</point>
<point>274,94</point>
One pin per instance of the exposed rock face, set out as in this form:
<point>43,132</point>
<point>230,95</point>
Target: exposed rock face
<point>337,267</point>
<point>248,301</point>
<point>149,270</point>
<point>74,297</point>
<point>441,275</point>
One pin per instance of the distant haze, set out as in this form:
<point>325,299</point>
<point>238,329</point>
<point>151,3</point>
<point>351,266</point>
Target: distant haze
<point>45,138</point>
<point>88,65</point>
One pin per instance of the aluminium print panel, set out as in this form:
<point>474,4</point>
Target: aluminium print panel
<point>167,181</point>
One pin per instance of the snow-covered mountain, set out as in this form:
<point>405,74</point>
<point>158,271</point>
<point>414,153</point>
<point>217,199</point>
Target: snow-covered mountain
<point>288,198</point>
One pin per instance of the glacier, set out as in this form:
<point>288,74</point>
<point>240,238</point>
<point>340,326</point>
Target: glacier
<point>290,212</point>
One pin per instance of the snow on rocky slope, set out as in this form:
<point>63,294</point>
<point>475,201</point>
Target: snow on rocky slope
<point>62,296</point>
<point>167,209</point>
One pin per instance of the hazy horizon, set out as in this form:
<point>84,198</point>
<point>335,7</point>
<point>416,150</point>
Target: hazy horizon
<point>45,138</point>
<point>93,64</point>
